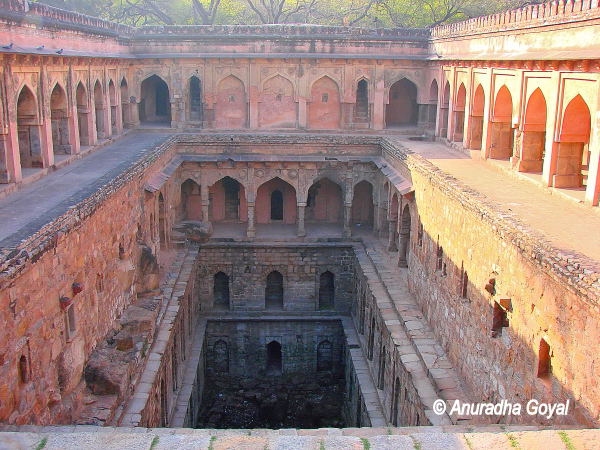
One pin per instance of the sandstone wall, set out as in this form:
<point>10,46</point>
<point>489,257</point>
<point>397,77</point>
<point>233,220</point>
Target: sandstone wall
<point>542,295</point>
<point>40,363</point>
<point>301,266</point>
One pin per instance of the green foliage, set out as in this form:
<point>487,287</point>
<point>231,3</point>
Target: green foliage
<point>365,13</point>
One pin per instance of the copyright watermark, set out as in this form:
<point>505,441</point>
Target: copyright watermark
<point>503,408</point>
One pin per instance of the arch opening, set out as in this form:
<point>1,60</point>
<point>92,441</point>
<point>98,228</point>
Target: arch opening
<point>227,201</point>
<point>573,156</point>
<point>83,115</point>
<point>195,100</point>
<point>361,107</point>
<point>324,356</point>
<point>155,103</point>
<point>533,137</point>
<point>191,201</point>
<point>501,133</point>
<point>221,291</point>
<point>476,122</point>
<point>433,104</point>
<point>459,113</point>
<point>221,356</point>
<point>393,214</point>
<point>114,106</point>
<point>324,202</point>
<point>99,110</point>
<point>28,126</point>
<point>276,202</point>
<point>402,108</point>
<point>274,291</point>
<point>125,104</point>
<point>362,205</point>
<point>274,358</point>
<point>59,120</point>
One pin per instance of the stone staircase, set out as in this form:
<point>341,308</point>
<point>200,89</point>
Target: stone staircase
<point>408,438</point>
<point>432,373</point>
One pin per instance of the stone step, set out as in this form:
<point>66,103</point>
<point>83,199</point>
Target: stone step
<point>424,438</point>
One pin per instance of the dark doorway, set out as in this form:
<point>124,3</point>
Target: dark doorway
<point>273,358</point>
<point>402,108</point>
<point>274,291</point>
<point>195,99</point>
<point>361,107</point>
<point>326,290</point>
<point>324,356</point>
<point>395,402</point>
<point>155,105</point>
<point>232,198</point>
<point>221,291</point>
<point>276,205</point>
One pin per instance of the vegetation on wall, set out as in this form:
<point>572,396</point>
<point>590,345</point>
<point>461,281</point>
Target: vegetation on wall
<point>366,13</point>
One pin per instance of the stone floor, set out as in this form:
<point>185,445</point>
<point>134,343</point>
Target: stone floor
<point>410,438</point>
<point>24,212</point>
<point>564,223</point>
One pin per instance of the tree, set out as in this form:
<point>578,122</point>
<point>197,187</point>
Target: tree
<point>280,11</point>
<point>207,13</point>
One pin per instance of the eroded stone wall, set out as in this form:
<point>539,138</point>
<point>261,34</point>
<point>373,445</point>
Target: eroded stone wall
<point>248,266</point>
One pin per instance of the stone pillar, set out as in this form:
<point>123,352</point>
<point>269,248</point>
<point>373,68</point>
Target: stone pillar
<point>47,147</point>
<point>301,209</point>
<point>11,142</point>
<point>347,216</point>
<point>251,230</point>
<point>204,198</point>
<point>379,104</point>
<point>392,245</point>
<point>72,119</point>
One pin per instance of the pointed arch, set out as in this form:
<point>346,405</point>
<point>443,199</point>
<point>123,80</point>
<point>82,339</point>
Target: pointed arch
<point>534,133</point>
<point>59,120</point>
<point>191,201</point>
<point>155,101</point>
<point>433,104</point>
<point>277,105</point>
<point>459,113</point>
<point>573,156</point>
<point>501,133</point>
<point>324,109</point>
<point>28,127</point>
<point>274,358</point>
<point>324,202</point>
<point>231,104</point>
<point>114,106</point>
<point>445,110</point>
<point>276,202</point>
<point>221,291</point>
<point>125,103</point>
<point>402,108</point>
<point>326,290</point>
<point>476,122</point>
<point>362,204</point>
<point>228,201</point>
<point>362,111</point>
<point>99,110</point>
<point>195,104</point>
<point>83,115</point>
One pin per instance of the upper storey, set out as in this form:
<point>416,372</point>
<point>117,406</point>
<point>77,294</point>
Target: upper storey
<point>557,30</point>
<point>565,29</point>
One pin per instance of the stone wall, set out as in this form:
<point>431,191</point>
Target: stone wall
<point>499,296</point>
<point>83,260</point>
<point>248,266</point>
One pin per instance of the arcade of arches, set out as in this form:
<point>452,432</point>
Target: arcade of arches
<point>321,234</point>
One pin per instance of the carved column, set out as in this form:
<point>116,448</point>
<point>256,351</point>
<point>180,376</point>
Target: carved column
<point>204,198</point>
<point>347,217</point>
<point>301,209</point>
<point>251,230</point>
